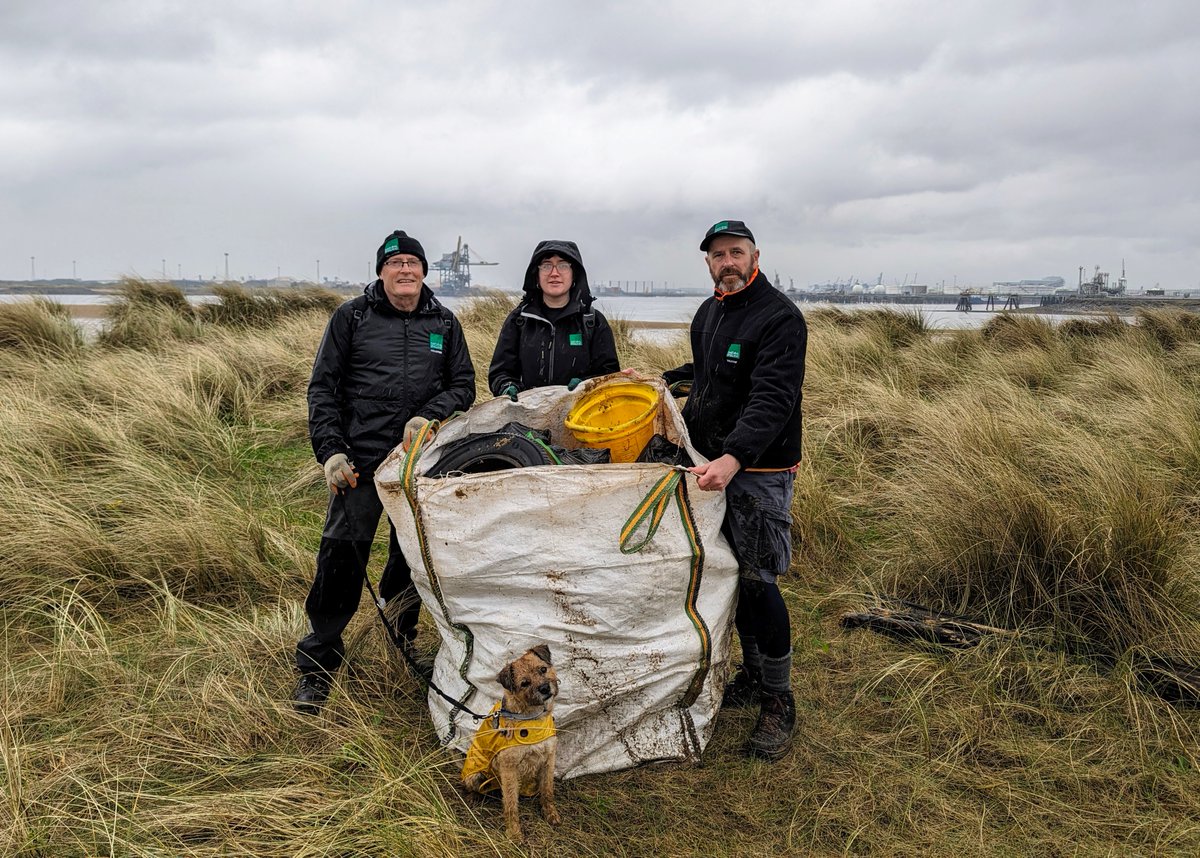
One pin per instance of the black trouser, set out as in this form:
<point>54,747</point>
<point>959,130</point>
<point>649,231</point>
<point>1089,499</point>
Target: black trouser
<point>350,524</point>
<point>758,523</point>
<point>762,614</point>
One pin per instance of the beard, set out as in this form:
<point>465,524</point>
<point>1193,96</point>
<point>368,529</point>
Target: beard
<point>729,279</point>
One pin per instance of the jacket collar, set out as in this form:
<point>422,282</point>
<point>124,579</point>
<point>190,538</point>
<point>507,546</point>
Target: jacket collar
<point>535,306</point>
<point>427,302</point>
<point>743,296</point>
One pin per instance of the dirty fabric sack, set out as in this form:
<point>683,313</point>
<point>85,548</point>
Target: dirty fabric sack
<point>621,570</point>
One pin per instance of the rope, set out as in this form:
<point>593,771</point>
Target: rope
<point>402,646</point>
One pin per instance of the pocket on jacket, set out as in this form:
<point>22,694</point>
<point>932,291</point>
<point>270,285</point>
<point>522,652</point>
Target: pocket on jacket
<point>373,422</point>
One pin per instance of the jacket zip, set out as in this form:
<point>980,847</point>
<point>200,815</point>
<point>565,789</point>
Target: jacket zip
<point>528,315</point>
<point>708,357</point>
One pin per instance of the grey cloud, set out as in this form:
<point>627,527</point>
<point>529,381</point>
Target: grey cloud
<point>954,137</point>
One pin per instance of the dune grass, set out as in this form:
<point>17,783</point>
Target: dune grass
<point>41,326</point>
<point>160,511</point>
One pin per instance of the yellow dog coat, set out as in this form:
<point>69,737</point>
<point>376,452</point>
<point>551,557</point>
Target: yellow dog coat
<point>498,732</point>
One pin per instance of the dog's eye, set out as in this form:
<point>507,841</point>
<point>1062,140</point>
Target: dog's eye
<point>543,671</point>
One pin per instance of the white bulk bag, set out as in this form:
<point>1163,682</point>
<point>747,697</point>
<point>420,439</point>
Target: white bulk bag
<point>506,560</point>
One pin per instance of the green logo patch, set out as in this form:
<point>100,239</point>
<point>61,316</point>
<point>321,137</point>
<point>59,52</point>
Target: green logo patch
<point>392,245</point>
<point>721,227</point>
<point>435,343</point>
<point>575,339</point>
<point>735,352</point>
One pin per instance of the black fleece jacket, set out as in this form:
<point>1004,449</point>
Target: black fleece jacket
<point>747,369</point>
<point>537,346</point>
<point>378,367</point>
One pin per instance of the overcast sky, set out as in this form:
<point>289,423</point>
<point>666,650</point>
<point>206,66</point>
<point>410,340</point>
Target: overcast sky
<point>957,141</point>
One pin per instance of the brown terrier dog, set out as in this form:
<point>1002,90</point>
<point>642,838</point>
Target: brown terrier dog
<point>515,746</point>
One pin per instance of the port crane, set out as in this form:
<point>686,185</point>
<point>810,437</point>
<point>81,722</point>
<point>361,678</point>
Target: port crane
<point>454,269</point>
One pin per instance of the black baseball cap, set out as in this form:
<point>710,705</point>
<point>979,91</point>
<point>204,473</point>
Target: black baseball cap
<point>726,227</point>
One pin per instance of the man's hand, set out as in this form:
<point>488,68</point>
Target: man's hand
<point>715,476</point>
<point>340,473</point>
<point>411,428</point>
<point>510,390</point>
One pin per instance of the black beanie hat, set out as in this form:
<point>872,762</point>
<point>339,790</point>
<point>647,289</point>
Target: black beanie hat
<point>400,242</point>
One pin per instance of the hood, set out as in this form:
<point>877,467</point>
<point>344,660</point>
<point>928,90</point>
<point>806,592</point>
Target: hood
<point>567,250</point>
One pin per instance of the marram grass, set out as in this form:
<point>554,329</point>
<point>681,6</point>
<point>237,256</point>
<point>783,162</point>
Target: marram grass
<point>160,511</point>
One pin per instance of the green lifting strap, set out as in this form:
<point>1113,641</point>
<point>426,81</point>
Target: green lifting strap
<point>650,513</point>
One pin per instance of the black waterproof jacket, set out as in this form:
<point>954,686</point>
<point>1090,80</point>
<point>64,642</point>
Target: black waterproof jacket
<point>531,351</point>
<point>377,367</point>
<point>747,369</point>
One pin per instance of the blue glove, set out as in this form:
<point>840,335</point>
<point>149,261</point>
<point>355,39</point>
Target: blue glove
<point>573,383</point>
<point>510,390</point>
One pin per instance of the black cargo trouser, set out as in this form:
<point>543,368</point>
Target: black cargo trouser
<point>350,524</point>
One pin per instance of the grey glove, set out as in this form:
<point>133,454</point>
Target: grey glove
<point>510,390</point>
<point>411,428</point>
<point>340,473</point>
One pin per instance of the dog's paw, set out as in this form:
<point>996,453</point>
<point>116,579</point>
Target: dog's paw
<point>552,816</point>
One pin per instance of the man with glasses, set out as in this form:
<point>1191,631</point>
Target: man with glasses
<point>743,413</point>
<point>390,361</point>
<point>553,336</point>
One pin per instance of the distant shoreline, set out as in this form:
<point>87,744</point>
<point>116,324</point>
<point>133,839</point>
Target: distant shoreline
<point>1122,305</point>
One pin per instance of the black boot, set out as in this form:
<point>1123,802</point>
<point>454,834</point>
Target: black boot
<point>744,691</point>
<point>311,692</point>
<point>772,736</point>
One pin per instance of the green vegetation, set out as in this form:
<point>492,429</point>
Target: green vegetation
<point>160,509</point>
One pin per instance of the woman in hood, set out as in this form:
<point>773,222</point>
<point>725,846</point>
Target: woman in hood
<point>553,336</point>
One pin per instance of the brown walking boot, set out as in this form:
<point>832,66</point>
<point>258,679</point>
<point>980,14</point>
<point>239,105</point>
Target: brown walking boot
<point>772,736</point>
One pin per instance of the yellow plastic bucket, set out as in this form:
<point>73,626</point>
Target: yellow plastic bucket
<point>619,416</point>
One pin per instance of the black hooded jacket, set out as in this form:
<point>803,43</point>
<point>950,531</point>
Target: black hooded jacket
<point>378,367</point>
<point>531,351</point>
<point>748,350</point>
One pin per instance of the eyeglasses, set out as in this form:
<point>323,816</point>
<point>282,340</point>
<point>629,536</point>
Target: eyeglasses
<point>402,263</point>
<point>547,267</point>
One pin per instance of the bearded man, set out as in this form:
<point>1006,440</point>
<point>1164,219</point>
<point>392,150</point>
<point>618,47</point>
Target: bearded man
<point>743,413</point>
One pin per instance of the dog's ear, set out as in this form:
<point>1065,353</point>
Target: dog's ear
<point>542,651</point>
<point>506,678</point>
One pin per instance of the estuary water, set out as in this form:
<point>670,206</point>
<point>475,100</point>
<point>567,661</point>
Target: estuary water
<point>666,311</point>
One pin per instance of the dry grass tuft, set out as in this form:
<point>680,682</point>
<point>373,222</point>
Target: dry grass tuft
<point>1171,329</point>
<point>1012,332</point>
<point>41,327</point>
<point>1111,325</point>
<point>147,316</point>
<point>239,307</point>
